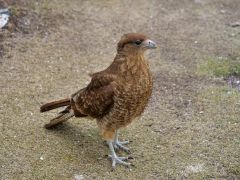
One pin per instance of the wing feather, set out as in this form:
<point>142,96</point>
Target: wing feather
<point>96,99</point>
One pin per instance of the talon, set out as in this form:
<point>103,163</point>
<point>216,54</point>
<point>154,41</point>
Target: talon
<point>115,159</point>
<point>119,160</point>
<point>119,145</point>
<point>123,142</point>
<point>130,157</point>
<point>115,146</point>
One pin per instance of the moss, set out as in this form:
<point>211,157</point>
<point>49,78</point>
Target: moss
<point>235,170</point>
<point>190,129</point>
<point>220,67</point>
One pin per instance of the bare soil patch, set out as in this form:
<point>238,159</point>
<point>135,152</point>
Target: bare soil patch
<point>189,130</point>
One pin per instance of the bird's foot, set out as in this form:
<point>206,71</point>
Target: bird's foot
<point>119,145</point>
<point>119,160</point>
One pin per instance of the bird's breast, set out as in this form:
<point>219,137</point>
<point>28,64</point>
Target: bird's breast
<point>133,92</point>
<point>132,89</point>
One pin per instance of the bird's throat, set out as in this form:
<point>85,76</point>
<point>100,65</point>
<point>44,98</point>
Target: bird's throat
<point>137,65</point>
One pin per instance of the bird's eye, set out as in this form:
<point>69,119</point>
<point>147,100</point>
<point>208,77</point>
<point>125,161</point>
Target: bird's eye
<point>138,42</point>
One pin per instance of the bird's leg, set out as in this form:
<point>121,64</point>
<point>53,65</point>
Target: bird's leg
<point>114,157</point>
<point>119,144</point>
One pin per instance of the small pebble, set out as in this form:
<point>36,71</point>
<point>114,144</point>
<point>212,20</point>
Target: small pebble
<point>235,24</point>
<point>78,177</point>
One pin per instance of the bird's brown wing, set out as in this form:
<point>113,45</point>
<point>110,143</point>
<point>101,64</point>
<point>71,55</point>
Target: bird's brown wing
<point>96,99</point>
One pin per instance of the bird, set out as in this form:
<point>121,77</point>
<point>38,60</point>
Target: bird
<point>115,97</point>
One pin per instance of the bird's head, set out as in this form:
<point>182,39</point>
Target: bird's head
<point>135,43</point>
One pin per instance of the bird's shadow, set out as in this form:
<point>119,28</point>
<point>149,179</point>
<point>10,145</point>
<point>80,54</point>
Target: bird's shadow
<point>88,142</point>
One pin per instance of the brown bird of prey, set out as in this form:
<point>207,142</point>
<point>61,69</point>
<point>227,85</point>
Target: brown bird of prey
<point>115,96</point>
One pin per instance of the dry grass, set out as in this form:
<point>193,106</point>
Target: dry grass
<point>189,130</point>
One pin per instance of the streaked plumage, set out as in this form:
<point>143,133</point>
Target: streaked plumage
<point>115,96</point>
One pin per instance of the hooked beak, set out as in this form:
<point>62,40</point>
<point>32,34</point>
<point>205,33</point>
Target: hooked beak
<point>149,44</point>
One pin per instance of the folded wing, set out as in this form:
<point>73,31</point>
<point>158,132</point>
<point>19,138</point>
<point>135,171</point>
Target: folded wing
<point>96,100</point>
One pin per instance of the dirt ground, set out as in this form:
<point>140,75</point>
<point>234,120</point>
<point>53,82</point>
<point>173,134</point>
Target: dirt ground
<point>191,128</point>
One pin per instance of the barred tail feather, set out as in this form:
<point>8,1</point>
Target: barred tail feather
<point>59,119</point>
<point>54,104</point>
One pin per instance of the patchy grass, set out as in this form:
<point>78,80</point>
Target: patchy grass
<point>190,129</point>
<point>220,67</point>
<point>220,109</point>
<point>220,104</point>
<point>235,170</point>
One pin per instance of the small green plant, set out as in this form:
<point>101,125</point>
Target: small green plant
<point>220,67</point>
<point>235,170</point>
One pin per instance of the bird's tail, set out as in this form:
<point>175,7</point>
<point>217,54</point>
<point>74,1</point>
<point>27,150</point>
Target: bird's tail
<point>64,116</point>
<point>55,104</point>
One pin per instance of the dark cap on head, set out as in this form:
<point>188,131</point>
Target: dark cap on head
<point>130,38</point>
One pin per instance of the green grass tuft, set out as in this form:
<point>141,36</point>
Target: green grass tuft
<point>235,170</point>
<point>220,67</point>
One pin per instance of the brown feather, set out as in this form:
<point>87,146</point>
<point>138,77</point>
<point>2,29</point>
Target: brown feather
<point>54,104</point>
<point>117,95</point>
<point>59,119</point>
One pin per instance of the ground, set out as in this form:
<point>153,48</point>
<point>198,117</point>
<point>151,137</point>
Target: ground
<point>191,127</point>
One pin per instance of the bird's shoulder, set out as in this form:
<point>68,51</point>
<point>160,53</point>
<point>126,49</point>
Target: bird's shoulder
<point>96,99</point>
<point>100,79</point>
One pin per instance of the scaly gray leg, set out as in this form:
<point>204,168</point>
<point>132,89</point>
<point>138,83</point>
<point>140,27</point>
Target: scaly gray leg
<point>119,145</point>
<point>115,158</point>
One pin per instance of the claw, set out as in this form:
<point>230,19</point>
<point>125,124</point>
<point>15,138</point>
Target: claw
<point>119,145</point>
<point>115,159</point>
<point>119,160</point>
<point>123,142</point>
